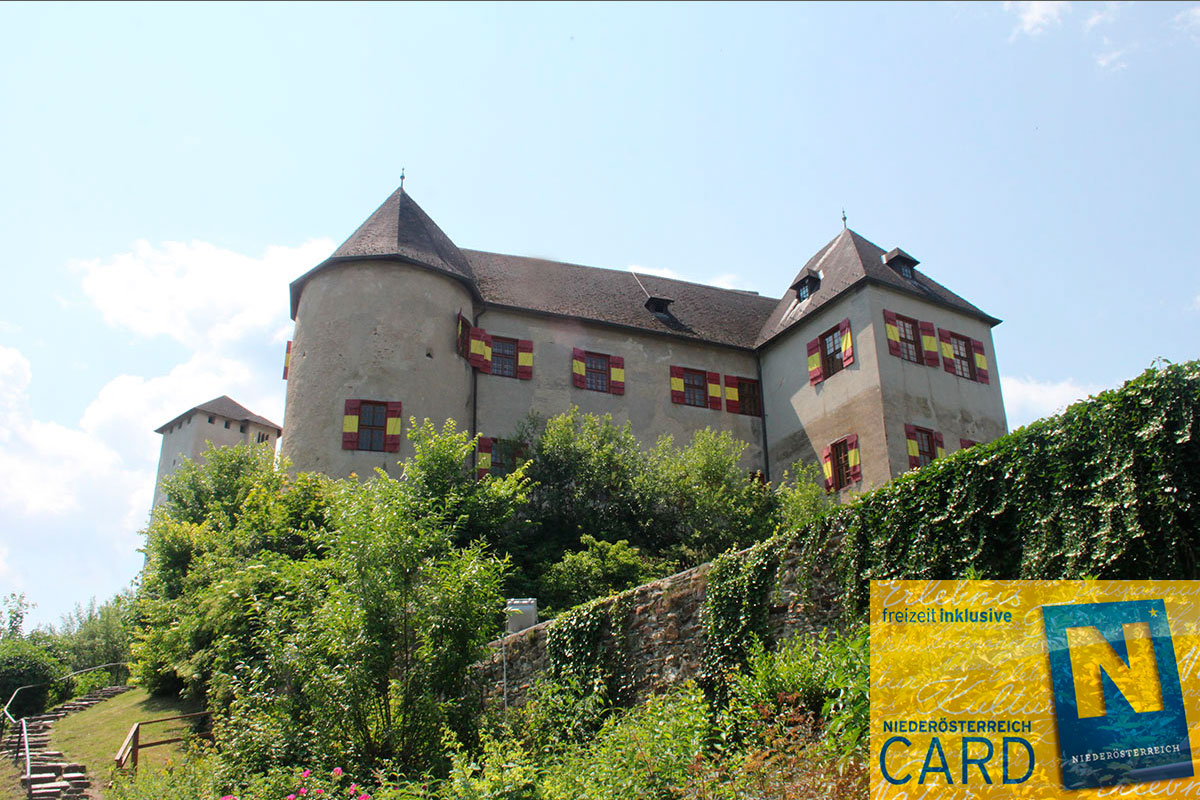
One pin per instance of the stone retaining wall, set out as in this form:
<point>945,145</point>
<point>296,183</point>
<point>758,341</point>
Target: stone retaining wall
<point>663,637</point>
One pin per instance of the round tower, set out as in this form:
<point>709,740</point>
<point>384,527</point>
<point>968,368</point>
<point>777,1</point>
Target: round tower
<point>375,344</point>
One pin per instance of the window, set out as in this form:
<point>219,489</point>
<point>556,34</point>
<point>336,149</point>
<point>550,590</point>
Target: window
<point>372,426</point>
<point>802,291</point>
<point>462,341</point>
<point>242,428</point>
<point>924,445</point>
<point>695,388</point>
<point>210,420</point>
<point>497,457</point>
<point>831,352</point>
<point>910,341</point>
<point>263,437</point>
<point>504,357</point>
<point>226,424</point>
<point>964,357</point>
<point>841,463</point>
<point>743,396</point>
<point>965,444</point>
<point>840,457</point>
<point>597,369</point>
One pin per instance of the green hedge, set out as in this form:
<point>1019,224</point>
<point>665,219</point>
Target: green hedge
<point>1108,489</point>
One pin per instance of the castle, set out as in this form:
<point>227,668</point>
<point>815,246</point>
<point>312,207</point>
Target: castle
<point>866,364</point>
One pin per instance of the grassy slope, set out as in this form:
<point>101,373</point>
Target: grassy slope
<point>92,737</point>
<point>10,781</point>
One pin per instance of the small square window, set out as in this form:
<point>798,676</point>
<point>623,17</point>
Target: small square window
<point>831,352</point>
<point>210,420</point>
<point>504,357</point>
<point>597,373</point>
<point>695,388</point>
<point>226,424</point>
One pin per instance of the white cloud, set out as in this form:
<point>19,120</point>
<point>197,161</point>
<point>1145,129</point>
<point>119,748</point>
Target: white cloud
<point>1103,16</point>
<point>1114,60</point>
<point>1188,21</point>
<point>196,293</point>
<point>1034,18</point>
<point>1027,399</point>
<point>662,272</point>
<point>726,280</point>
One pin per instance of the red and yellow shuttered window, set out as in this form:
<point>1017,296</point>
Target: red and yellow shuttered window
<point>841,463</point>
<point>372,425</point>
<point>830,352</point>
<point>693,387</point>
<point>924,445</point>
<point>483,457</point>
<point>462,336</point>
<point>287,359</point>
<point>714,391</point>
<point>598,372</point>
<point>965,444</point>
<point>911,339</point>
<point>743,396</point>
<point>963,356</point>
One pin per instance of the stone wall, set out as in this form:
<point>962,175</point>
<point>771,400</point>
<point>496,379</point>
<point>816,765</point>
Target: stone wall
<point>663,636</point>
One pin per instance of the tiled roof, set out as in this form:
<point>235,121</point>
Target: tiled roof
<point>707,313</point>
<point>225,407</point>
<point>400,230</point>
<point>849,259</point>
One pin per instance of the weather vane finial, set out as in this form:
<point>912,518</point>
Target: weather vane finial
<point>402,178</point>
<point>843,211</point>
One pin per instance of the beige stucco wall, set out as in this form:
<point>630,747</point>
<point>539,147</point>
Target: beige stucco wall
<point>372,330</point>
<point>803,419</point>
<point>930,397</point>
<point>646,404</point>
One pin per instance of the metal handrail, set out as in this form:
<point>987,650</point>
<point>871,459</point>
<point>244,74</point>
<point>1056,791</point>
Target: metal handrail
<point>13,719</point>
<point>25,744</point>
<point>132,744</point>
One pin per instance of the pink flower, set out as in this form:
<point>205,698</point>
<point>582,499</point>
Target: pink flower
<point>337,773</point>
<point>354,788</point>
<point>228,797</point>
<point>364,796</point>
<point>291,797</point>
<point>306,773</point>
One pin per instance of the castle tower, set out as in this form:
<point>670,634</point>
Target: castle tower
<point>220,421</point>
<point>375,343</point>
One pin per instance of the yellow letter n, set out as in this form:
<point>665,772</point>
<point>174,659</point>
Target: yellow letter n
<point>1137,681</point>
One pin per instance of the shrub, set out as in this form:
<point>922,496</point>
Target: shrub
<point>23,663</point>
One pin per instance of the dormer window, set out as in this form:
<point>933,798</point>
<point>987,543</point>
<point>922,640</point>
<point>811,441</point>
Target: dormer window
<point>806,287</point>
<point>902,263</point>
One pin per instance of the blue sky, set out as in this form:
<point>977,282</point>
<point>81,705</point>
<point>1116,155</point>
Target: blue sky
<point>168,169</point>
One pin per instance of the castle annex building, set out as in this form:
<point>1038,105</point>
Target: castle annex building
<point>865,365</point>
<point>220,422</point>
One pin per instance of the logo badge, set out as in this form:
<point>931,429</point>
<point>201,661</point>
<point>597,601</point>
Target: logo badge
<point>1117,697</point>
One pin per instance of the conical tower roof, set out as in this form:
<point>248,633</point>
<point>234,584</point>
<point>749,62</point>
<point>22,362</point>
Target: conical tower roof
<point>398,230</point>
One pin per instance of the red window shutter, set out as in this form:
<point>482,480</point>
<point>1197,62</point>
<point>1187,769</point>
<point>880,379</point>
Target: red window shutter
<point>525,359</point>
<point>939,445</point>
<point>350,424</point>
<point>847,343</point>
<point>963,444</point>
<point>929,343</point>
<point>616,368</point>
<point>853,457</point>
<point>814,362</point>
<point>914,456</point>
<point>981,369</point>
<point>287,359</point>
<point>892,330</point>
<point>487,354</point>
<point>733,402</point>
<point>827,467</point>
<point>578,368</point>
<point>483,458</point>
<point>478,348</point>
<point>714,391</point>
<point>677,394</point>
<point>947,350</point>
<point>462,347</point>
<point>391,435</point>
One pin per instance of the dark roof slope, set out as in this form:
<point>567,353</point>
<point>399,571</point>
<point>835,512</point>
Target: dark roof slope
<point>849,259</point>
<point>223,406</point>
<point>398,229</point>
<point>706,313</point>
